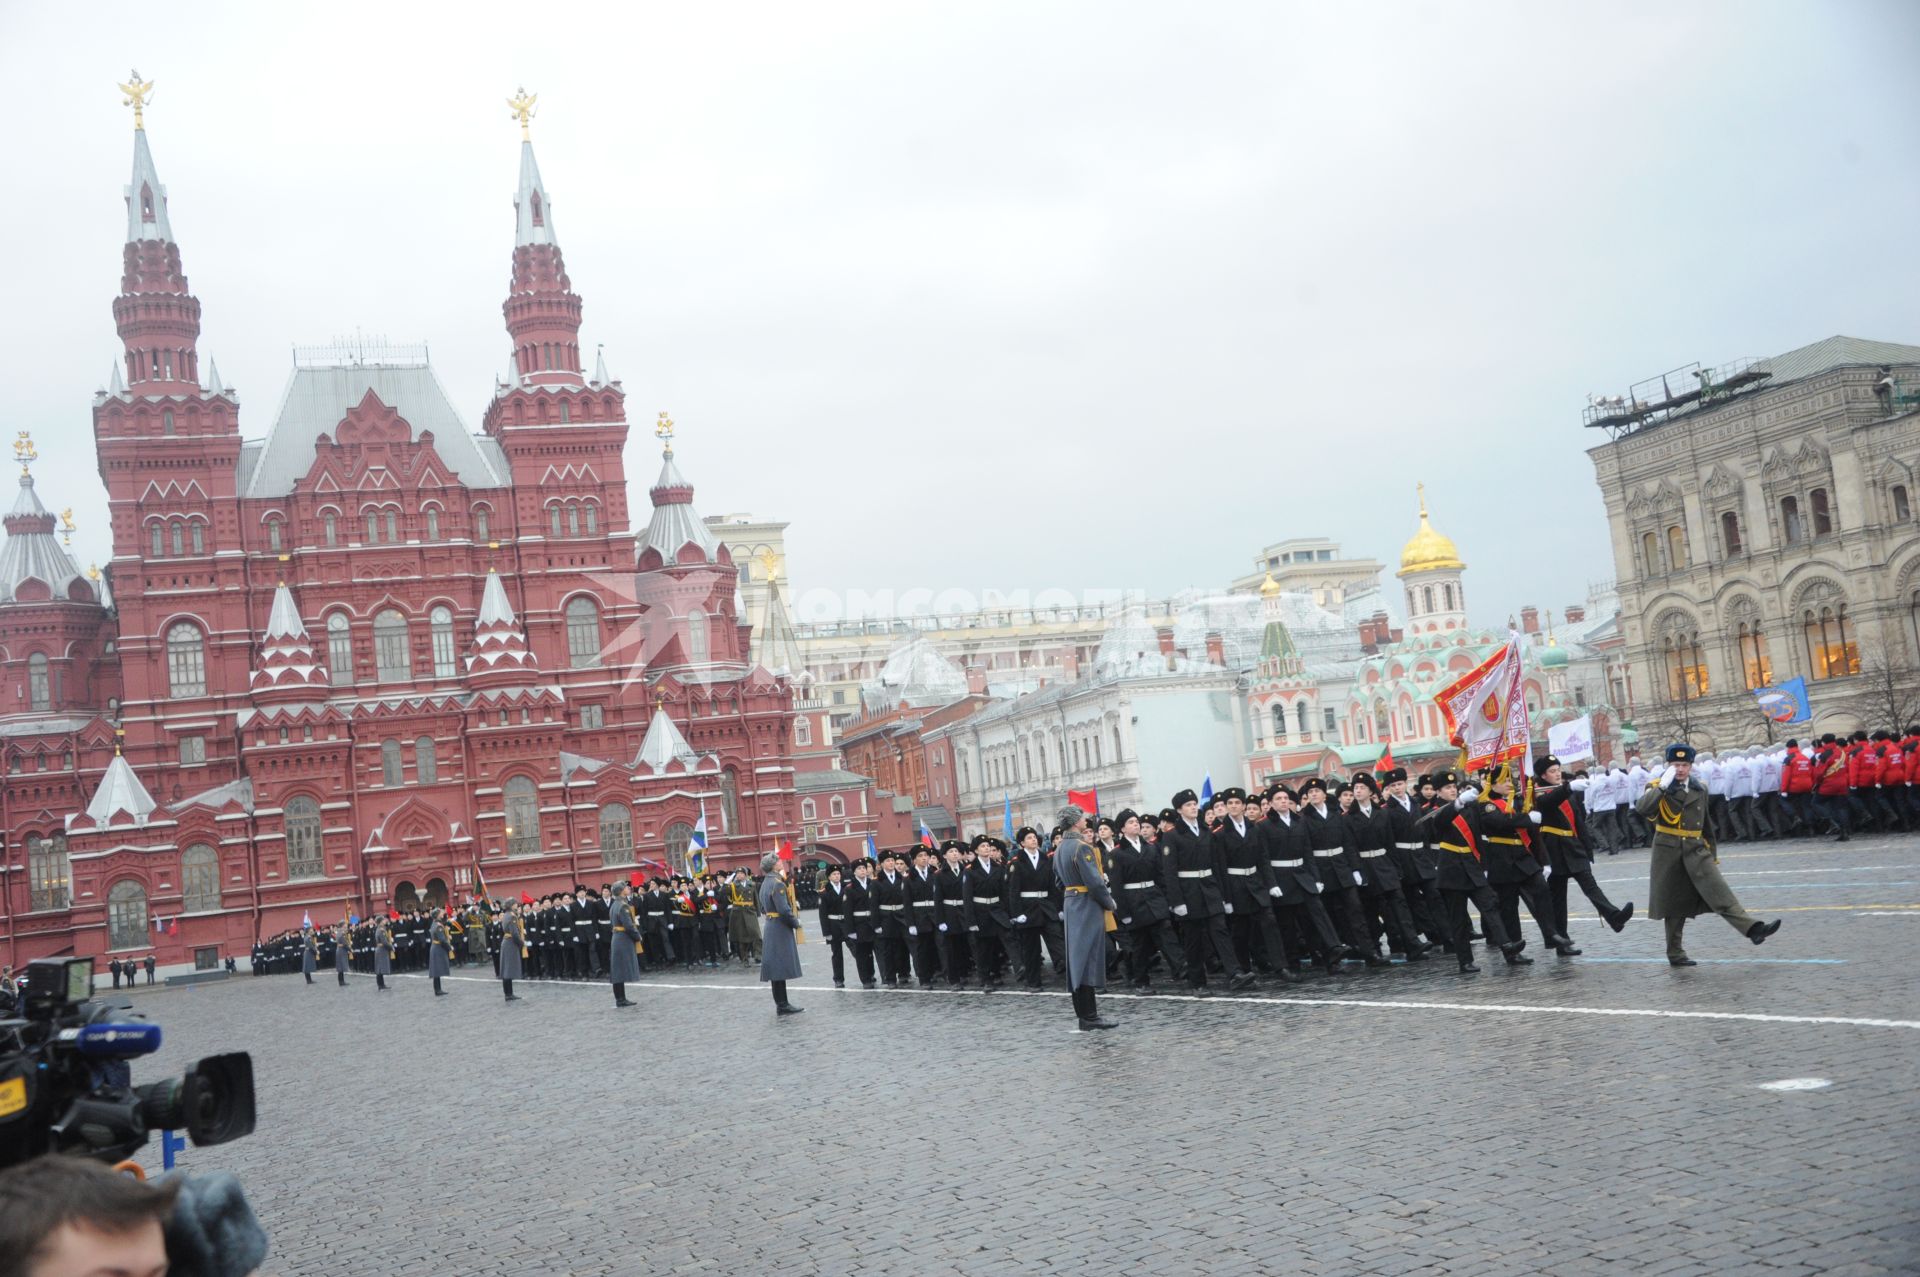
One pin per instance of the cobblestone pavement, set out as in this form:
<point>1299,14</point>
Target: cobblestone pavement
<point>1603,1111</point>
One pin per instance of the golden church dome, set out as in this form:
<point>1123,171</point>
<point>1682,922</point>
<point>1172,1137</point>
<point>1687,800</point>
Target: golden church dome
<point>1428,551</point>
<point>1269,587</point>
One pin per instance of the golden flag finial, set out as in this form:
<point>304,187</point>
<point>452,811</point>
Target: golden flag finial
<point>23,450</point>
<point>663,429</point>
<point>66,524</point>
<point>769,565</point>
<point>521,104</point>
<point>93,572</point>
<point>1421,488</point>
<point>137,91</point>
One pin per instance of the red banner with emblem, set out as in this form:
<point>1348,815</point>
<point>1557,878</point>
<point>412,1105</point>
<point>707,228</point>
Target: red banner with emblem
<point>1486,708</point>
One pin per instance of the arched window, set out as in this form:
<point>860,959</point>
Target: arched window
<point>583,632</point>
<point>390,647</point>
<point>1382,725</point>
<point>39,683</point>
<point>273,535</point>
<point>1913,617</point>
<point>373,527</point>
<point>523,817</point>
<point>331,525</point>
<point>1300,719</point>
<point>303,838</point>
<point>390,770</point>
<point>49,876</point>
<point>127,915</point>
<point>1730,532</point>
<point>177,536</point>
<point>592,513</point>
<point>808,810</point>
<point>1686,666</point>
<point>393,526</point>
<point>836,806</point>
<point>1426,598</point>
<point>1790,519</point>
<point>433,524</point>
<point>440,622</point>
<point>1677,547</point>
<point>697,650</point>
<point>1278,713</point>
<point>199,531</point>
<point>1902,508</point>
<point>1831,652</point>
<point>159,540</point>
<point>199,879</point>
<point>1650,552</point>
<point>166,421</point>
<point>730,801</point>
<point>1822,514</point>
<point>186,660</point>
<point>573,518</point>
<point>339,649</point>
<point>481,523</point>
<point>679,836</point>
<point>554,517</point>
<point>1755,667</point>
<point>1447,590</point>
<point>616,834</point>
<point>803,726</point>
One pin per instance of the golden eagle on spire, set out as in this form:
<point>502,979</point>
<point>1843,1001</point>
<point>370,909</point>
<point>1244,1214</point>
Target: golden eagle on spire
<point>137,91</point>
<point>521,104</point>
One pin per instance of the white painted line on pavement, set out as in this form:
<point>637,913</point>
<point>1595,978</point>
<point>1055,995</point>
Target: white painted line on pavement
<point>1242,999</point>
<point>1798,1084</point>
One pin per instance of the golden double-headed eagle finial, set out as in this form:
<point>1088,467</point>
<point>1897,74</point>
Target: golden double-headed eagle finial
<point>769,565</point>
<point>66,524</point>
<point>663,430</point>
<point>23,450</point>
<point>521,104</point>
<point>137,91</point>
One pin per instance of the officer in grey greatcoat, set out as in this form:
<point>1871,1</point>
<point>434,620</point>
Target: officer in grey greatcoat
<point>624,958</point>
<point>382,954</point>
<point>780,932</point>
<point>438,948</point>
<point>342,953</point>
<point>513,950</point>
<point>1087,912</point>
<point>1685,863</point>
<point>309,954</point>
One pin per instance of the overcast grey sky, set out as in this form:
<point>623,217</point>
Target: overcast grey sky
<point>1006,296</point>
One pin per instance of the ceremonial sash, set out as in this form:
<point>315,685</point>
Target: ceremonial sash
<point>1466,834</point>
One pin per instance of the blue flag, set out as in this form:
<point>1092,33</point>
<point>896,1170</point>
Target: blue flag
<point>1206,790</point>
<point>872,852</point>
<point>1786,702</point>
<point>1006,817</point>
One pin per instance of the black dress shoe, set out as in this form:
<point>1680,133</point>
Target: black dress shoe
<point>438,993</point>
<point>1202,992</point>
<point>1418,954</point>
<point>1286,977</point>
<point>1375,960</point>
<point>868,984</point>
<point>788,1009</point>
<point>1566,948</point>
<point>1621,916</point>
<point>1033,988</point>
<point>1759,931</point>
<point>513,997</point>
<point>1468,968</point>
<point>1681,962</point>
<point>1101,1022</point>
<point>1244,980</point>
<point>1513,955</point>
<point>839,984</point>
<point>626,1002</point>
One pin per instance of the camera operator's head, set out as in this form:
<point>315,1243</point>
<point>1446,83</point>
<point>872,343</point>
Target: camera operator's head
<point>70,1217</point>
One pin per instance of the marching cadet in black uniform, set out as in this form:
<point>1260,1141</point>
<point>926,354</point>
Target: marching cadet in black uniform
<point>1454,824</point>
<point>1563,828</point>
<point>1331,842</point>
<point>833,922</point>
<point>923,918</point>
<point>600,907</point>
<point>950,885</point>
<point>713,923</point>
<point>656,910</point>
<point>1289,852</point>
<point>1513,865</point>
<point>890,906</point>
<point>1372,838</point>
<point>1190,875</point>
<point>342,951</point>
<point>1250,889</point>
<point>1145,917</point>
<point>683,923</point>
<point>1029,889</point>
<point>580,964</point>
<point>863,924</point>
<point>310,955</point>
<point>1417,862</point>
<point>988,925</point>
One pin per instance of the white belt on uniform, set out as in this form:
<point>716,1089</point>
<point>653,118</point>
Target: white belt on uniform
<point>1033,895</point>
<point>863,913</point>
<point>1196,873</point>
<point>1135,886</point>
<point>987,900</point>
<point>1239,873</point>
<point>893,908</point>
<point>1410,846</point>
<point>1373,855</point>
<point>1286,864</point>
<point>1329,855</point>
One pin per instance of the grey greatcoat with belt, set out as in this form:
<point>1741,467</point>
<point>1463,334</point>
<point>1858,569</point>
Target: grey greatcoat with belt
<point>437,950</point>
<point>1087,911</point>
<point>341,945</point>
<point>624,964</point>
<point>513,934</point>
<point>1685,865</point>
<point>779,940</point>
<point>382,951</point>
<point>308,953</point>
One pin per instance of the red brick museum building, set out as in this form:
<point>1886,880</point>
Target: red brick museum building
<point>336,668</point>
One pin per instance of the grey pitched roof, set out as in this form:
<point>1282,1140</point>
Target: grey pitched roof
<point>120,790</point>
<point>318,399</point>
<point>525,229</point>
<point>32,551</point>
<point>675,524</point>
<point>664,745</point>
<point>1838,352</point>
<point>240,791</point>
<point>831,778</point>
<point>144,174</point>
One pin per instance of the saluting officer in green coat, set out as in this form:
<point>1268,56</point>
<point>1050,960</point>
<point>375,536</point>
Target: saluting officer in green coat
<point>1686,864</point>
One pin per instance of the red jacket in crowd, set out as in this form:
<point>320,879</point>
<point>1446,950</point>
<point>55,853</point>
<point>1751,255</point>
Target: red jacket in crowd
<point>1796,775</point>
<point>1830,771</point>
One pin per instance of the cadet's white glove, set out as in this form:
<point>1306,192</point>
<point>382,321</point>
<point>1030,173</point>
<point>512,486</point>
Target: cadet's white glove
<point>1467,795</point>
<point>943,926</point>
<point>1179,911</point>
<point>1274,892</point>
<point>1358,881</point>
<point>1579,784</point>
<point>1127,922</point>
<point>1021,919</point>
<point>1666,777</point>
<point>1318,886</point>
<point>1229,908</point>
<point>913,931</point>
<point>1534,816</point>
<point>1546,871</point>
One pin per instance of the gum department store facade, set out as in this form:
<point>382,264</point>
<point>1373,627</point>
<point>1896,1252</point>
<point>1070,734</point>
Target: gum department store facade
<point>335,669</point>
